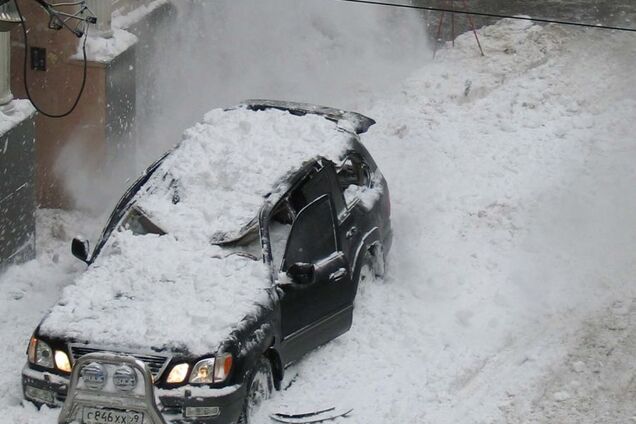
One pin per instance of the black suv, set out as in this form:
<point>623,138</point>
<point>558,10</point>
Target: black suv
<point>215,312</point>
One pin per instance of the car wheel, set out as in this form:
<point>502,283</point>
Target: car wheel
<point>367,273</point>
<point>260,388</point>
<point>379,263</point>
<point>372,265</point>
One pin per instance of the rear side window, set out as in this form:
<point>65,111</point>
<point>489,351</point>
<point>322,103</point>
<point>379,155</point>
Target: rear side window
<point>353,171</point>
<point>354,176</point>
<point>324,181</point>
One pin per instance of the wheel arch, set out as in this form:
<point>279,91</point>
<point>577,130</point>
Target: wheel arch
<point>370,241</point>
<point>277,365</point>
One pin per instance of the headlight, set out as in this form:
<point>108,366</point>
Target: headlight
<point>178,374</point>
<point>212,370</point>
<point>203,372</point>
<point>33,343</point>
<point>222,367</point>
<point>40,353</point>
<point>62,362</point>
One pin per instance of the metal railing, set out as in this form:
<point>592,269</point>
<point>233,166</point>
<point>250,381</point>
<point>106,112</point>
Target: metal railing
<point>100,390</point>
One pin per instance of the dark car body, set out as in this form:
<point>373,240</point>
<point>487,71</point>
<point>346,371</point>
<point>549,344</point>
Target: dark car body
<point>335,218</point>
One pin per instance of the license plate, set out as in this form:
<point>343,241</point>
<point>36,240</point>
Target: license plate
<point>45,396</point>
<point>111,416</point>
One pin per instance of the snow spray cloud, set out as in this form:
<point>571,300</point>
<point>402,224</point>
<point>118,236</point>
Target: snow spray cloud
<point>216,53</point>
<point>220,52</point>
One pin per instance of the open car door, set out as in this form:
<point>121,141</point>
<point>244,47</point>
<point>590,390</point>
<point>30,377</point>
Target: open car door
<point>315,305</point>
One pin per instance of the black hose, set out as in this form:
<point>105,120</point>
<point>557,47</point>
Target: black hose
<point>25,66</point>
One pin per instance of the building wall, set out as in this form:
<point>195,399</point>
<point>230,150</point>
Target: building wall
<point>54,90</point>
<point>17,193</point>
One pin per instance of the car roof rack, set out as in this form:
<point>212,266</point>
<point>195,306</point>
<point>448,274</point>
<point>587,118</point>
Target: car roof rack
<point>360,122</point>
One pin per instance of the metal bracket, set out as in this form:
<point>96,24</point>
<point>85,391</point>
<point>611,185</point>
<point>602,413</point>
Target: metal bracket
<point>141,400</point>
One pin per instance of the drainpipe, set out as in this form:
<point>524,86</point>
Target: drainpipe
<point>9,18</point>
<point>103,10</point>
<point>5,68</point>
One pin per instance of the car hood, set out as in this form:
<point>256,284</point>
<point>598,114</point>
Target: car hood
<point>156,291</point>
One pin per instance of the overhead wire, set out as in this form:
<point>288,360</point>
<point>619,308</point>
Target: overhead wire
<point>490,15</point>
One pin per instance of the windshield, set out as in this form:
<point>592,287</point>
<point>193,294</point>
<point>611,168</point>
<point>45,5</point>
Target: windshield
<point>248,245</point>
<point>139,224</point>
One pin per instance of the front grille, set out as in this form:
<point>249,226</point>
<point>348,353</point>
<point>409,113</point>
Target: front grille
<point>155,363</point>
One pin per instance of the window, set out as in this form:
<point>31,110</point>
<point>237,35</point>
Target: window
<point>320,183</point>
<point>313,235</point>
<point>279,228</point>
<point>140,224</point>
<point>354,178</point>
<point>316,184</point>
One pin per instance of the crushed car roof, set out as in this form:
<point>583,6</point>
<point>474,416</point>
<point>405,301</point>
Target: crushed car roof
<point>214,183</point>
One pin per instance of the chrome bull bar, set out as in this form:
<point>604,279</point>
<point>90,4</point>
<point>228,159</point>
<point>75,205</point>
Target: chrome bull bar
<point>126,395</point>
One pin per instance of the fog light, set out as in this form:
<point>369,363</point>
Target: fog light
<point>125,379</point>
<point>39,395</point>
<point>202,411</point>
<point>94,376</point>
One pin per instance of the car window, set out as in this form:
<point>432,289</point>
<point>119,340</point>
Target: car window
<point>354,177</point>
<point>313,235</point>
<point>280,225</point>
<point>325,181</point>
<point>320,182</point>
<point>137,222</point>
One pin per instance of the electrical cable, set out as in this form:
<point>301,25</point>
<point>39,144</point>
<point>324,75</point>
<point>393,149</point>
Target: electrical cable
<point>490,15</point>
<point>25,72</point>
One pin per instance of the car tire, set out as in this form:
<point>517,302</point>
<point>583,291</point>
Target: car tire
<point>259,389</point>
<point>379,261</point>
<point>372,265</point>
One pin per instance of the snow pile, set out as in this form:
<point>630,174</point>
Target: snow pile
<point>215,182</point>
<point>513,190</point>
<point>103,49</point>
<point>19,111</point>
<point>127,19</point>
<point>121,300</point>
<point>27,291</point>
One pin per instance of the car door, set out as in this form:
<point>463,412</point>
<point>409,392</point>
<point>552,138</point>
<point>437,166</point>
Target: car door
<point>315,283</point>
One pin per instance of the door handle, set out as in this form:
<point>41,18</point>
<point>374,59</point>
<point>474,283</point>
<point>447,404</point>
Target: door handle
<point>338,275</point>
<point>352,232</point>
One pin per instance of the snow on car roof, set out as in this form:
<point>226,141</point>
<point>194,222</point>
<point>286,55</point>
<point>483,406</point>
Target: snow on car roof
<point>214,183</point>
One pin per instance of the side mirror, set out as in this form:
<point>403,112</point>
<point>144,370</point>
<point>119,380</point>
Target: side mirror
<point>80,248</point>
<point>302,273</point>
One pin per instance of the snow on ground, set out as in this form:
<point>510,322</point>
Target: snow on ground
<point>510,290</point>
<point>513,190</point>
<point>26,293</point>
